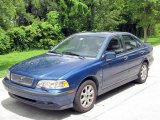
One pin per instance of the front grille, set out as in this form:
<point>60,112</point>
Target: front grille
<point>23,80</point>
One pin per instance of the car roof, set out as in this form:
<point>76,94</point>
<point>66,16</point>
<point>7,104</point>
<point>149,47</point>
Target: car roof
<point>101,34</point>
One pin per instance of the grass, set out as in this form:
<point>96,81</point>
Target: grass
<point>12,58</point>
<point>154,41</point>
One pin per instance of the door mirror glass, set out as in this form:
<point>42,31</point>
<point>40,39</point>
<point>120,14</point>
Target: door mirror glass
<point>110,55</point>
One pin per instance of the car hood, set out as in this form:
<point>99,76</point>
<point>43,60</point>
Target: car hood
<point>49,66</point>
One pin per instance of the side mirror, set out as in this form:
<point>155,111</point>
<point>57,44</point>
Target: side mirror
<point>110,55</point>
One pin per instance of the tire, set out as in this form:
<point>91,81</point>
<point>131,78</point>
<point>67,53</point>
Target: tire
<point>85,97</point>
<point>143,73</point>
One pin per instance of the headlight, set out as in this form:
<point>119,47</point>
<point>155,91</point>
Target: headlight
<point>52,84</point>
<point>8,74</point>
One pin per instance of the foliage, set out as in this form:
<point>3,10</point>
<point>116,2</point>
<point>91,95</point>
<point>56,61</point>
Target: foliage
<point>73,16</point>
<point>39,8</point>
<point>8,12</point>
<point>46,43</point>
<point>4,42</point>
<point>30,24</point>
<point>45,32</point>
<point>157,30</point>
<point>37,35</point>
<point>108,15</point>
<point>146,12</point>
<point>17,37</point>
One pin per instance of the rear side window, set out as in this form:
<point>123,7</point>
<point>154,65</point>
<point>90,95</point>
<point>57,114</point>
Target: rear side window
<point>139,44</point>
<point>130,43</point>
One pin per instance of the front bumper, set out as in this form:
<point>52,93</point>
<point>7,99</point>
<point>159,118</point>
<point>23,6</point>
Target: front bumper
<point>39,98</point>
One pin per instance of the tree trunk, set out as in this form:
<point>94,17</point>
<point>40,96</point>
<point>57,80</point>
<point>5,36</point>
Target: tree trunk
<point>92,15</point>
<point>145,29</point>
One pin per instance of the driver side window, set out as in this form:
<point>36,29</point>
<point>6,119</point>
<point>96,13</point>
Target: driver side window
<point>115,45</point>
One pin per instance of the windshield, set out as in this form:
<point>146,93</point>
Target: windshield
<point>85,46</point>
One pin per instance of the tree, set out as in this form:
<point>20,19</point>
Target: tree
<point>39,8</point>
<point>108,15</point>
<point>105,15</point>
<point>146,13</point>
<point>73,16</point>
<point>7,14</point>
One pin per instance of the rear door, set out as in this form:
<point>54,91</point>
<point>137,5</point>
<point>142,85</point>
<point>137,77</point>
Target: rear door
<point>135,51</point>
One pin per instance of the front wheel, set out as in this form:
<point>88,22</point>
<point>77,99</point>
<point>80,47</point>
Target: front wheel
<point>85,97</point>
<point>143,74</point>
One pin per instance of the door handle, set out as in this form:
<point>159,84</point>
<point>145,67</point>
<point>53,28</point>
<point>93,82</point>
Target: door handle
<point>125,57</point>
<point>141,52</point>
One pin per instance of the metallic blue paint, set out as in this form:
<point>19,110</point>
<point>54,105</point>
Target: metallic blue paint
<point>50,66</point>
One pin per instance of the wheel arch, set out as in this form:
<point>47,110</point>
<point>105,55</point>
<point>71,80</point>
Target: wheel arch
<point>92,78</point>
<point>145,61</point>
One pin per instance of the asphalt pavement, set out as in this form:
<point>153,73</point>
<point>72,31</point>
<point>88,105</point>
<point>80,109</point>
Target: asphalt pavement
<point>128,102</point>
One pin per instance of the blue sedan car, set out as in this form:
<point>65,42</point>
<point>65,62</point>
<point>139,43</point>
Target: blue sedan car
<point>80,68</point>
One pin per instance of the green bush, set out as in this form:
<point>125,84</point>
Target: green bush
<point>33,34</point>
<point>46,43</point>
<point>53,18</point>
<point>30,35</point>
<point>37,35</point>
<point>4,42</point>
<point>157,29</point>
<point>17,37</point>
<point>48,31</point>
<point>42,32</point>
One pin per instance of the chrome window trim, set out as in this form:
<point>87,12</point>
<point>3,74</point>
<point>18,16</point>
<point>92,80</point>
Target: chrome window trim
<point>131,51</point>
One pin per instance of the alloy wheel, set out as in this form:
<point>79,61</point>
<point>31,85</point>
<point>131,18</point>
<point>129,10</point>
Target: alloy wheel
<point>87,96</point>
<point>144,72</point>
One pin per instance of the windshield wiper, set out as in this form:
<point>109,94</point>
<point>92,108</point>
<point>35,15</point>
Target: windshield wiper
<point>70,53</point>
<point>54,52</point>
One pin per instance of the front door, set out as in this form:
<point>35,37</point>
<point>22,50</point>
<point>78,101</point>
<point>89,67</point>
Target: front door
<point>115,70</point>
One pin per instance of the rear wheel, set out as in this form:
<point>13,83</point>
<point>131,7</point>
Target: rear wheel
<point>85,97</point>
<point>143,74</point>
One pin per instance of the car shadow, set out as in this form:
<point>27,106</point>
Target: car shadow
<point>38,114</point>
<point>115,92</point>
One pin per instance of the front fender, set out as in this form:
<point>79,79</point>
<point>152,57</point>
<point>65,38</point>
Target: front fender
<point>76,77</point>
